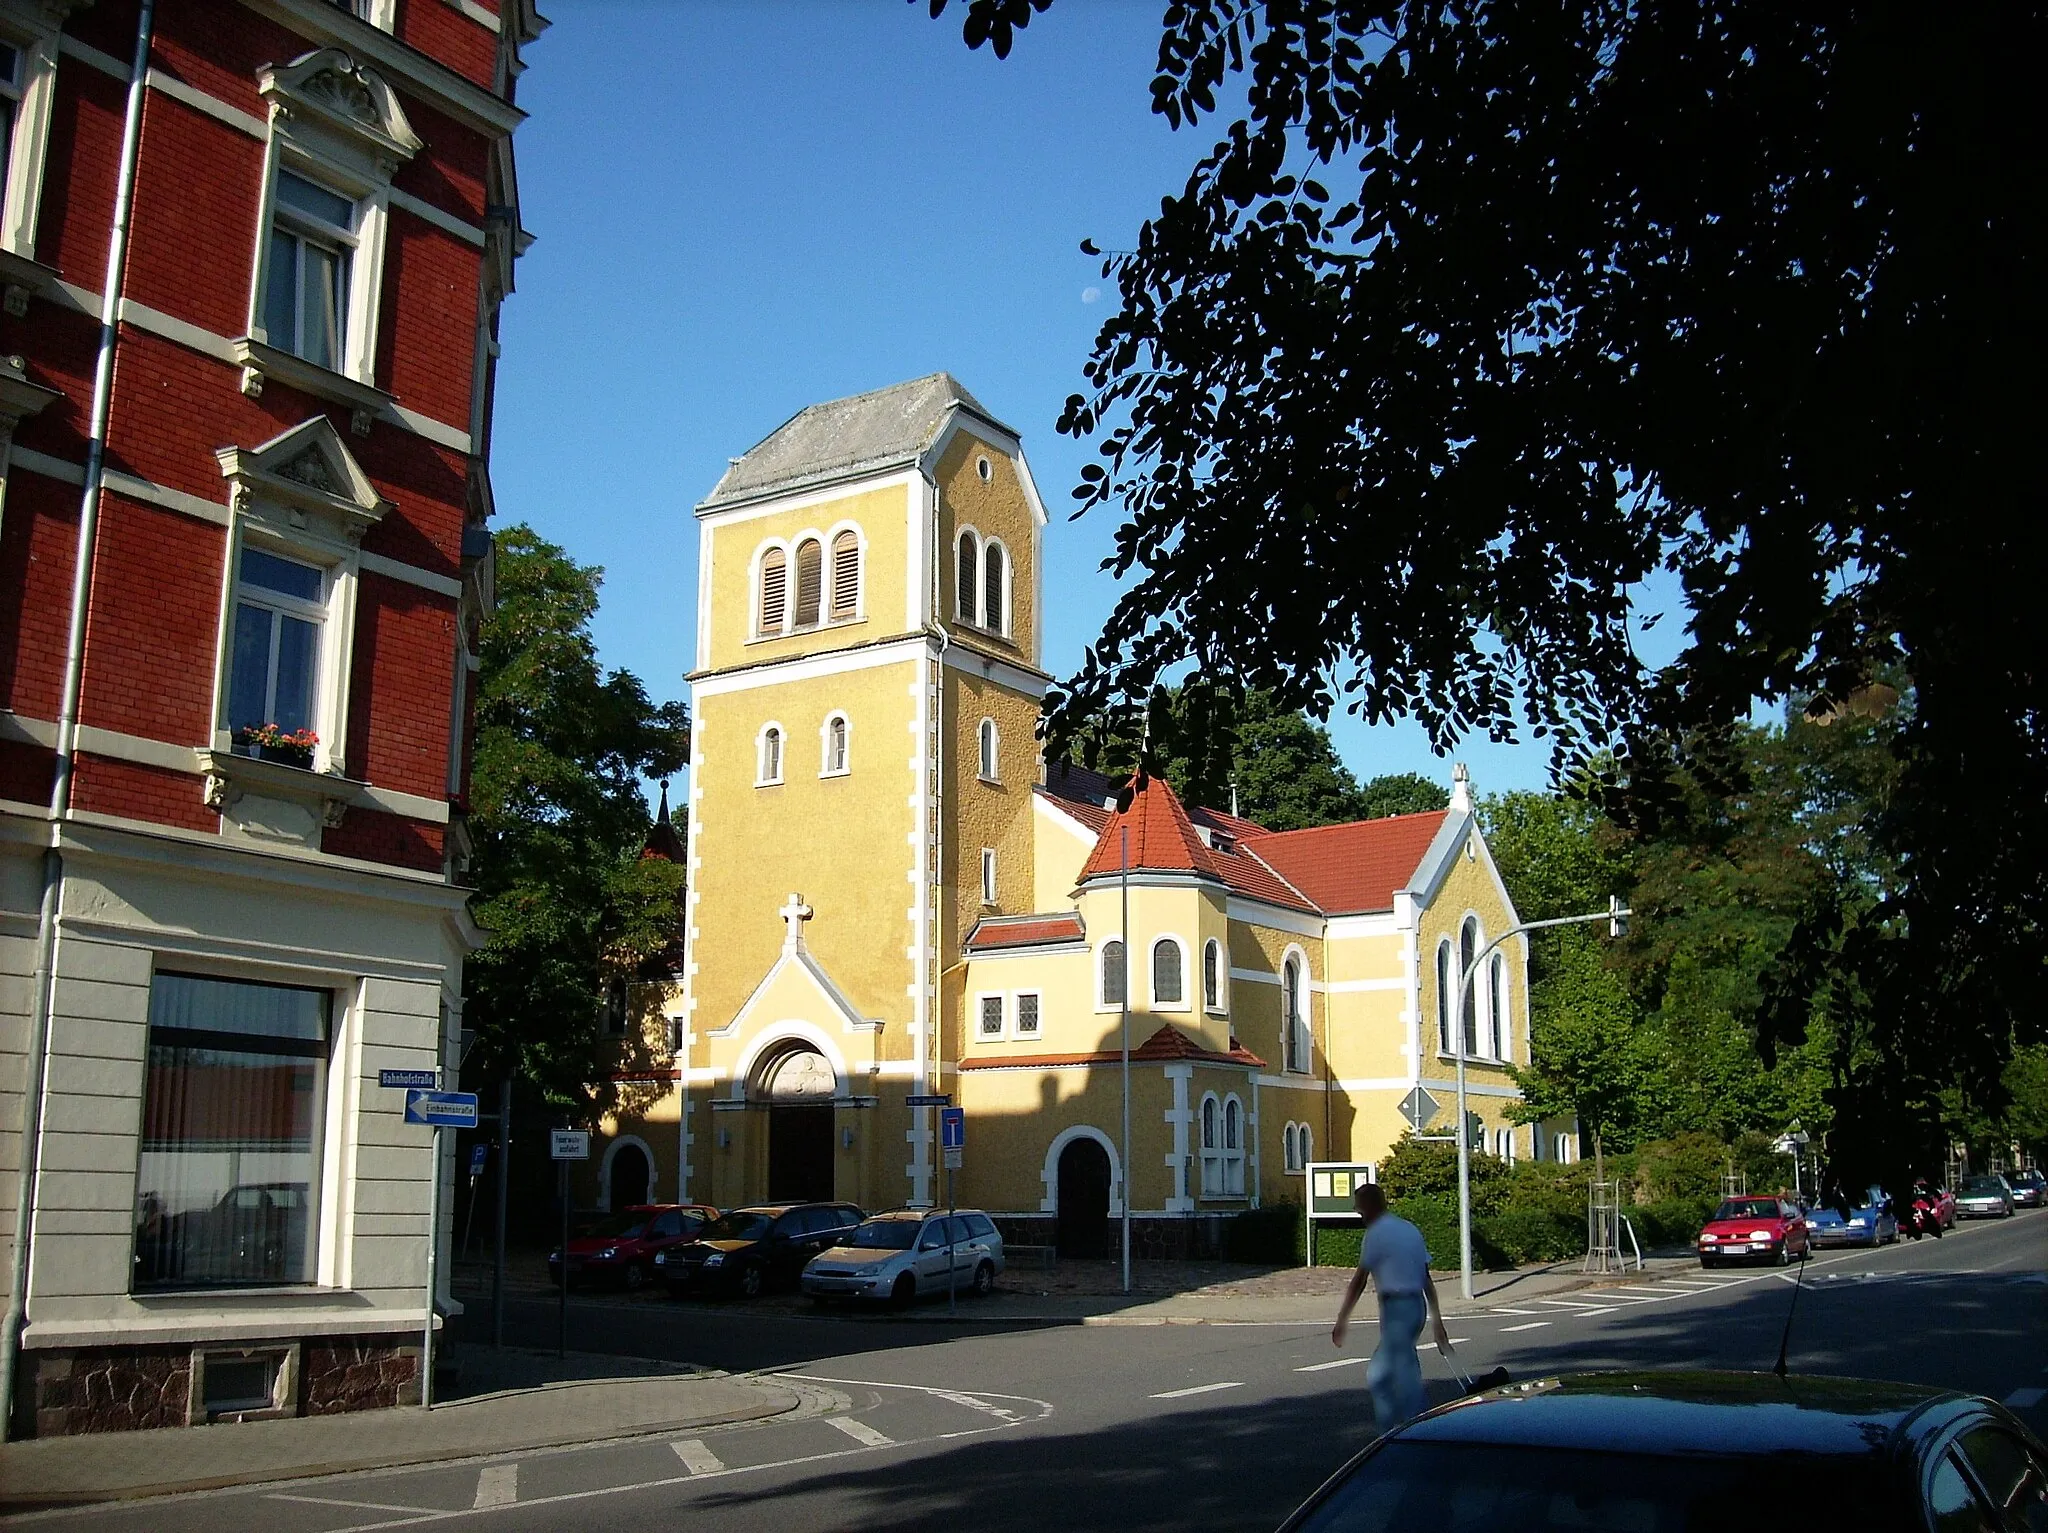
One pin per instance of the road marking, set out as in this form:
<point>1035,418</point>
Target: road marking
<point>1516,1312</point>
<point>1199,1389</point>
<point>1342,1362</point>
<point>366,1506</point>
<point>497,1485</point>
<point>697,1458</point>
<point>1531,1325</point>
<point>2026,1399</point>
<point>860,1432</point>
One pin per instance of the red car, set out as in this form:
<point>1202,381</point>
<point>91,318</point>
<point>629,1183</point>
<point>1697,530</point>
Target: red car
<point>620,1250</point>
<point>1754,1229</point>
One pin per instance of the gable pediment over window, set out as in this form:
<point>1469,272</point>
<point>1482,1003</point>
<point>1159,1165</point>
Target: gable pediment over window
<point>342,108</point>
<point>307,480</point>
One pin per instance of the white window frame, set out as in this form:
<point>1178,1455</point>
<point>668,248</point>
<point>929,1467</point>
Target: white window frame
<point>761,778</point>
<point>1001,627</point>
<point>1304,997</point>
<point>980,621</point>
<point>1018,1029</point>
<point>1234,1155</point>
<point>1473,998</point>
<point>353,154</point>
<point>757,628</point>
<point>988,875</point>
<point>860,575</point>
<point>1101,953</point>
<point>33,31</point>
<point>759,632</point>
<point>1184,1003</point>
<point>1304,1146</point>
<point>318,611</point>
<point>988,749</point>
<point>981,1031</point>
<point>1499,1022</point>
<point>1289,1149</point>
<point>845,766</point>
<point>1446,982</point>
<point>1220,1006</point>
<point>1209,1144</point>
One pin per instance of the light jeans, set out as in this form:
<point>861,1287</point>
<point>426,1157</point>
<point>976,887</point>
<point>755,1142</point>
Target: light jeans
<point>1394,1376</point>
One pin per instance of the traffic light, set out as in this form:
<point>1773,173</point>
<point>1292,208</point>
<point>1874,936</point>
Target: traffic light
<point>1617,917</point>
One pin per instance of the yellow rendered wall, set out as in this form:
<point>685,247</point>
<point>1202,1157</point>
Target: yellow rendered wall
<point>996,508</point>
<point>1060,849</point>
<point>1255,1003</point>
<point>1013,1117</point>
<point>1469,887</point>
<point>883,518</point>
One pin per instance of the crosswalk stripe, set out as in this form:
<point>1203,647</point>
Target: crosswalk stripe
<point>697,1458</point>
<point>860,1432</point>
<point>1199,1389</point>
<point>1530,1325</point>
<point>1342,1362</point>
<point>497,1485</point>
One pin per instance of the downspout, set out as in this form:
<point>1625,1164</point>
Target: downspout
<point>934,1021</point>
<point>67,728</point>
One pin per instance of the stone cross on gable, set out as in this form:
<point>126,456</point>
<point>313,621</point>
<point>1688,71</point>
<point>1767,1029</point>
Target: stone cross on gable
<point>795,912</point>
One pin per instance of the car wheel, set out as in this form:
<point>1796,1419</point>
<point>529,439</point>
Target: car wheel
<point>904,1291</point>
<point>752,1281</point>
<point>635,1276</point>
<point>1785,1253</point>
<point>984,1280</point>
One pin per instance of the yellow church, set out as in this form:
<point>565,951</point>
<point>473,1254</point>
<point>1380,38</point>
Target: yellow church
<point>890,896</point>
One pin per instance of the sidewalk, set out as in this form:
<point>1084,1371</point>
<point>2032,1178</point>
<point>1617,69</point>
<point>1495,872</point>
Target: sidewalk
<point>652,1398</point>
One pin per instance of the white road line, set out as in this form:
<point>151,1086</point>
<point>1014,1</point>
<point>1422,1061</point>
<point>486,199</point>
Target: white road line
<point>362,1506</point>
<point>860,1432</point>
<point>1199,1389</point>
<point>1342,1362</point>
<point>1532,1325</point>
<point>2026,1399</point>
<point>1564,1304</point>
<point>1515,1312</point>
<point>497,1485</point>
<point>1661,1293</point>
<point>697,1458</point>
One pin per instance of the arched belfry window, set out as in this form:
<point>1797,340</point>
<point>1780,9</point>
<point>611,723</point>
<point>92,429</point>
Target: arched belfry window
<point>993,608</point>
<point>810,582</point>
<point>969,582</point>
<point>845,575</point>
<point>774,604</point>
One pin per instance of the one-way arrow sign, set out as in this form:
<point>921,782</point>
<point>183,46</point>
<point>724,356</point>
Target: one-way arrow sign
<point>441,1109</point>
<point>1418,1107</point>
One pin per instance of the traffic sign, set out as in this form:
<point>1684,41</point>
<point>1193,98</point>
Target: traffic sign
<point>478,1154</point>
<point>955,1159</point>
<point>941,1100</point>
<point>953,1128</point>
<point>1418,1107</point>
<point>441,1109</point>
<point>568,1144</point>
<point>412,1079</point>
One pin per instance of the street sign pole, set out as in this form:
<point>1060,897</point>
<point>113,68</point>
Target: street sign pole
<point>953,1145</point>
<point>433,1251</point>
<point>504,1176</point>
<point>1124,946</point>
<point>562,1301</point>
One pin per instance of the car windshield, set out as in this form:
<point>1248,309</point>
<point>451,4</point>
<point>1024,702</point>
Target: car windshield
<point>619,1227</point>
<point>1509,1490</point>
<point>737,1225</point>
<point>1747,1208</point>
<point>1983,1185</point>
<point>886,1235</point>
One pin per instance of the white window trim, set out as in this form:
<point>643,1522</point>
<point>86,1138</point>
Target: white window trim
<point>990,889</point>
<point>960,536</point>
<point>757,632</point>
<point>1016,1014</point>
<point>1102,1001</point>
<point>1304,1147</point>
<point>989,764</point>
<point>352,152</point>
<point>34,30</point>
<point>1481,997</point>
<point>782,756</point>
<point>1207,1156</point>
<point>981,999</point>
<point>1446,982</point>
<point>1222,1006</point>
<point>860,577</point>
<point>982,543</point>
<point>1289,1148</point>
<point>825,767</point>
<point>1306,998</point>
<point>1234,1160</point>
<point>1497,998</point>
<point>1186,1001</point>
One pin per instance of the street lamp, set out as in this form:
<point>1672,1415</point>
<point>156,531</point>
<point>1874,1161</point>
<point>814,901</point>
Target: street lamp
<point>1616,916</point>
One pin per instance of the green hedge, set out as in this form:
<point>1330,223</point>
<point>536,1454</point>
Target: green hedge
<point>1271,1234</point>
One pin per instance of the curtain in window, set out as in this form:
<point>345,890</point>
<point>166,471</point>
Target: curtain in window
<point>774,590</point>
<point>1166,987</point>
<point>810,582</point>
<point>969,576</point>
<point>228,1181</point>
<point>845,575</point>
<point>992,588</point>
<point>1112,974</point>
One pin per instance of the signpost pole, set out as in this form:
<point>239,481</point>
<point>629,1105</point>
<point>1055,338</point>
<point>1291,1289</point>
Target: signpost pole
<point>504,1175</point>
<point>433,1250</point>
<point>1124,945</point>
<point>952,1258</point>
<point>562,1302</point>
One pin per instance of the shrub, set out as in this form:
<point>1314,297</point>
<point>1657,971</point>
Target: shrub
<point>1423,1169</point>
<point>1525,1235</point>
<point>1754,1156</point>
<point>1271,1233</point>
<point>1688,1166</point>
<point>1672,1222</point>
<point>1337,1246</point>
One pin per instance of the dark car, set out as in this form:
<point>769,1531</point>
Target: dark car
<point>2029,1189</point>
<point>1984,1197</point>
<point>752,1249</point>
<point>622,1249</point>
<point>1673,1452</point>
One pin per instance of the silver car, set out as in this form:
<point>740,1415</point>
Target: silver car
<point>896,1257</point>
<point>1984,1197</point>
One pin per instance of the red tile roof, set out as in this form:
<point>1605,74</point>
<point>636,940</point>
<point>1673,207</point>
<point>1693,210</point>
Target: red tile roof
<point>1163,838</point>
<point>1167,1046</point>
<point>1350,869</point>
<point>1002,933</point>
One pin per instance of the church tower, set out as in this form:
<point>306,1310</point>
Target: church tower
<point>865,710</point>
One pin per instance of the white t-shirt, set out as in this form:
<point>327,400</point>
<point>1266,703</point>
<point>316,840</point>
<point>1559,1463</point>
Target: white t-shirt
<point>1394,1253</point>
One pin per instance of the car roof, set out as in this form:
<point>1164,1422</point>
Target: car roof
<point>1688,1412</point>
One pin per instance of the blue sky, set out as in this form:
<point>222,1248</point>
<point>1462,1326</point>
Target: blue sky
<point>742,208</point>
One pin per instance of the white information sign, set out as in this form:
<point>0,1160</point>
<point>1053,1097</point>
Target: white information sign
<point>569,1144</point>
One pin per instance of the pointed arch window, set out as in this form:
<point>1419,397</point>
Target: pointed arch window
<point>1212,1146</point>
<point>1167,986</point>
<point>1294,1029</point>
<point>810,582</point>
<point>1497,1007</point>
<point>774,604</point>
<point>1443,996</point>
<point>989,751</point>
<point>993,570</point>
<point>968,583</point>
<point>1468,948</point>
<point>1233,1148</point>
<point>1305,1145</point>
<point>1113,972</point>
<point>1290,1149</point>
<point>845,575</point>
<point>1212,975</point>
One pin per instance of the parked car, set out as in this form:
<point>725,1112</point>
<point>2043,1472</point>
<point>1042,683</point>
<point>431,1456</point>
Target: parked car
<point>2029,1189</point>
<point>1692,1450</point>
<point>899,1255</point>
<point>1984,1197</point>
<point>1748,1229</point>
<point>750,1250</point>
<point>622,1249</point>
<point>1870,1225</point>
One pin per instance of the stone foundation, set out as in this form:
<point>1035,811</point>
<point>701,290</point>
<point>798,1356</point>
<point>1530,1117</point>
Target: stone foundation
<point>65,1392</point>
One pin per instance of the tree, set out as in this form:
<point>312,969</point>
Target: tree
<point>1401,793</point>
<point>1482,314</point>
<point>2026,1084</point>
<point>558,816</point>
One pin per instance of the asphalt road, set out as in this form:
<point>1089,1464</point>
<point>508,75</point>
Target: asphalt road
<point>1135,1428</point>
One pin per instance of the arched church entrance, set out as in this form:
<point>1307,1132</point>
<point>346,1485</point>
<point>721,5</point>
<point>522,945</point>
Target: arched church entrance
<point>1082,1227</point>
<point>799,1086</point>
<point>629,1176</point>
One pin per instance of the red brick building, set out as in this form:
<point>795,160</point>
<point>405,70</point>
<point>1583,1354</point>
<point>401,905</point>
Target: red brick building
<point>233,755</point>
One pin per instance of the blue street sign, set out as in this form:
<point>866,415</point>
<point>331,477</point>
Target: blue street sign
<point>929,1101</point>
<point>422,1079</point>
<point>953,1128</point>
<point>441,1109</point>
<point>478,1154</point>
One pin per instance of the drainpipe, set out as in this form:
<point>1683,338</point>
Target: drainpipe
<point>934,1046</point>
<point>67,729</point>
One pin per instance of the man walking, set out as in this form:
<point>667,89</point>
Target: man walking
<point>1394,1257</point>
